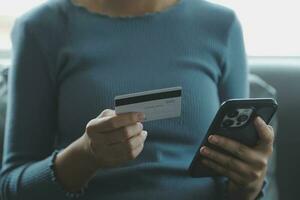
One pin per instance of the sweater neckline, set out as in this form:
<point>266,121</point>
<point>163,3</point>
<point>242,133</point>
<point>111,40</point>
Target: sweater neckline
<point>146,15</point>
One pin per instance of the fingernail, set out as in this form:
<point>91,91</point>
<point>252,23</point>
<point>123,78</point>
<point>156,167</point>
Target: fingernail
<point>141,126</point>
<point>204,150</point>
<point>145,133</point>
<point>141,116</point>
<point>213,139</point>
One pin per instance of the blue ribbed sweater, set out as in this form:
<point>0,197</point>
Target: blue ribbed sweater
<point>68,64</point>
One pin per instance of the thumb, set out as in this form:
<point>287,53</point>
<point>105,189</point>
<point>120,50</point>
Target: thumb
<point>107,113</point>
<point>265,132</point>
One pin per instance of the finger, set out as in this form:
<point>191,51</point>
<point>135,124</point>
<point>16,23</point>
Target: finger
<point>229,163</point>
<point>125,149</point>
<point>266,134</point>
<point>136,151</point>
<point>118,135</point>
<point>123,134</point>
<point>133,154</point>
<point>110,123</point>
<point>234,177</point>
<point>237,149</point>
<point>116,157</point>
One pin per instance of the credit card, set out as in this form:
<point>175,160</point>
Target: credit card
<point>155,104</point>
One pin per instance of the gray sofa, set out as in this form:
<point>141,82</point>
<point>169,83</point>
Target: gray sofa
<point>278,78</point>
<point>284,75</point>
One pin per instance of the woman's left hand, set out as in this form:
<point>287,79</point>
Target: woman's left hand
<point>246,174</point>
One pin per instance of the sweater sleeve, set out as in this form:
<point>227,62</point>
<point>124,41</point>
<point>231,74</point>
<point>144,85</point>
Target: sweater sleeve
<point>30,124</point>
<point>234,81</point>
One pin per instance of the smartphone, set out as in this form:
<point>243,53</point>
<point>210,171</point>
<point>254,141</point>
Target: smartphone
<point>234,120</point>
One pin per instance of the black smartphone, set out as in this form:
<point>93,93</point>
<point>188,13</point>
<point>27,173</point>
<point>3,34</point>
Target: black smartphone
<point>234,120</point>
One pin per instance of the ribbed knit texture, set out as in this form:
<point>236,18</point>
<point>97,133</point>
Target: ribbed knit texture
<point>68,64</point>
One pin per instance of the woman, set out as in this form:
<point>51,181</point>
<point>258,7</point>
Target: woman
<point>72,57</point>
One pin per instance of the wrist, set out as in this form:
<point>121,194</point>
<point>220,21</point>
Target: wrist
<point>85,150</point>
<point>74,166</point>
<point>246,193</point>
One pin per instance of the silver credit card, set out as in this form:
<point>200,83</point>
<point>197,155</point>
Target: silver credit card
<point>155,104</point>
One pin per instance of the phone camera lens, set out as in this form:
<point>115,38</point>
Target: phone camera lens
<point>233,114</point>
<point>242,118</point>
<point>228,123</point>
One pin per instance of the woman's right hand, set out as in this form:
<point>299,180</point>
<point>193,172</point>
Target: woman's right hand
<point>112,139</point>
<point>109,141</point>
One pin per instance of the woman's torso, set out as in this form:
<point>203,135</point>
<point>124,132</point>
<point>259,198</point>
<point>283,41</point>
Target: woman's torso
<point>96,58</point>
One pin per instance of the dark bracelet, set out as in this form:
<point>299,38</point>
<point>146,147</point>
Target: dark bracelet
<point>71,195</point>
